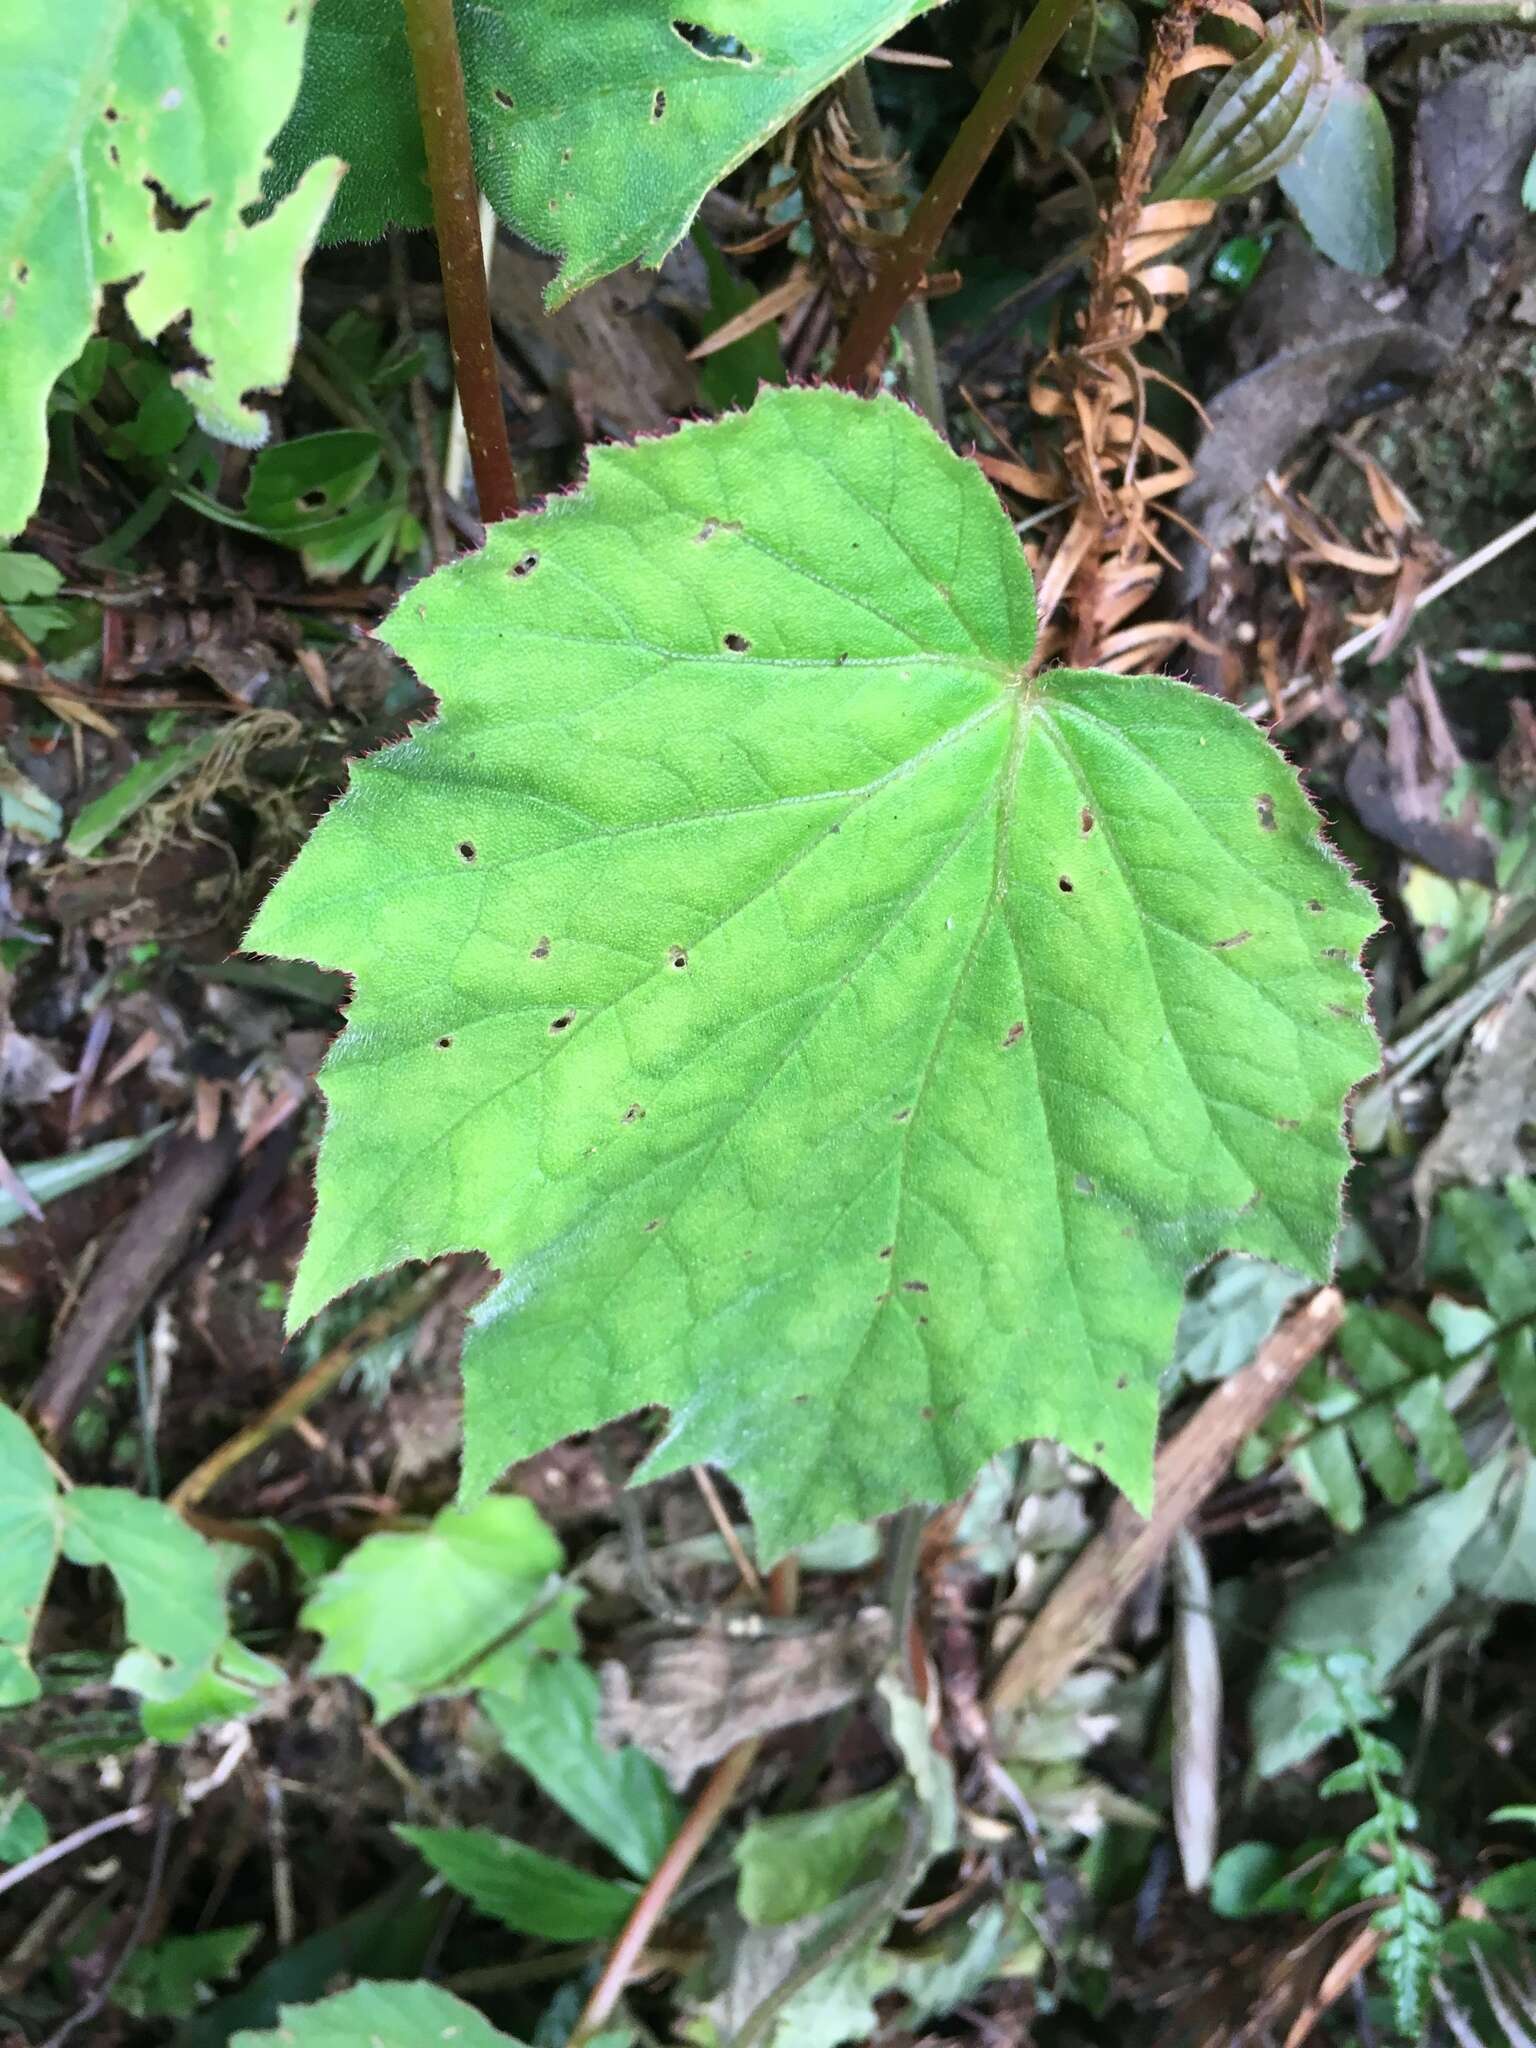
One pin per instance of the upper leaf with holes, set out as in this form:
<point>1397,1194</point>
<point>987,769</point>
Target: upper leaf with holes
<point>831,1029</point>
<point>598,125</point>
<point>129,149</point>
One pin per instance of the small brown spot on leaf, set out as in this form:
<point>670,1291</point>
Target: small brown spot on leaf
<point>1064,884</point>
<point>658,105</point>
<point>1335,953</point>
<point>654,1224</point>
<point>443,1044</point>
<point>1287,1123</point>
<point>676,957</point>
<point>503,99</point>
<point>885,1251</point>
<point>922,1322</point>
<point>1122,1383</point>
<point>1085,820</point>
<point>525,567</point>
<point>738,643</point>
<point>1014,1033</point>
<point>1314,906</point>
<point>467,851</point>
<point>901,1116</point>
<point>1224,945</point>
<point>927,1413</point>
<point>799,1399</point>
<point>541,950</point>
<point>915,1286</point>
<point>1343,1010</point>
<point>1265,806</point>
<point>1098,1449</point>
<point>633,1114</point>
<point>563,1022</point>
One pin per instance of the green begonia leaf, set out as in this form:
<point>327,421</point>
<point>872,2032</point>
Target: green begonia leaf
<point>831,1029</point>
<point>528,1891</point>
<point>403,2015</point>
<point>598,125</point>
<point>1341,182</point>
<point>108,106</point>
<point>468,1602</point>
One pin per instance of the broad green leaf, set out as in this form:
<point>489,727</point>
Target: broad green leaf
<point>1340,181</point>
<point>468,1602</point>
<point>831,1029</point>
<point>598,125</point>
<point>1374,1595</point>
<point>405,2015</point>
<point>532,1893</point>
<point>799,1863</point>
<point>110,105</point>
<point>29,1546</point>
<point>617,1795</point>
<point>170,1578</point>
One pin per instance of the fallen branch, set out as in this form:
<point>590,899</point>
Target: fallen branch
<point>1081,1611</point>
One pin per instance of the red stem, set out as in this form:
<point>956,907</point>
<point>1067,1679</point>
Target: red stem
<point>907,264</point>
<point>434,41</point>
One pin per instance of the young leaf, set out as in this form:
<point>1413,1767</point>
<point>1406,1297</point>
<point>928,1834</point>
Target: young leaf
<point>799,1863</point>
<point>831,1029</point>
<point>598,125</point>
<point>379,2016</point>
<point>134,138</point>
<point>617,1795</point>
<point>469,1601</point>
<point>169,1577</point>
<point>29,1547</point>
<point>530,1892</point>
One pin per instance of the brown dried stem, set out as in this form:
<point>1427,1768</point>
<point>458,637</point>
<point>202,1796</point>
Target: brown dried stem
<point>1081,1610</point>
<point>434,41</point>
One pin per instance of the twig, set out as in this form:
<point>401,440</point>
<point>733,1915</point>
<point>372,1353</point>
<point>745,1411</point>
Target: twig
<point>979,133</point>
<point>1081,1611</point>
<point>148,1906</point>
<point>306,1390</point>
<point>1450,579</point>
<point>66,1845</point>
<point>750,1576</point>
<point>430,30</point>
<point>723,1784</point>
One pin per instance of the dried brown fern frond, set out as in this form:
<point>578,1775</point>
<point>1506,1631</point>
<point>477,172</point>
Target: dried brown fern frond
<point>1115,468</point>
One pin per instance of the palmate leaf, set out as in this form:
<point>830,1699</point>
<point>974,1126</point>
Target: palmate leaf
<point>831,1030</point>
<point>598,125</point>
<point>111,108</point>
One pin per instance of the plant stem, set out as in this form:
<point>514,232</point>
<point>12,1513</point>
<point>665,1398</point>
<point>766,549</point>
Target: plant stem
<point>434,42</point>
<point>912,322</point>
<point>1363,14</point>
<point>723,1784</point>
<point>306,1390</point>
<point>974,142</point>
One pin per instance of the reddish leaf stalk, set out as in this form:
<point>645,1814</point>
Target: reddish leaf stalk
<point>978,135</point>
<point>434,42</point>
